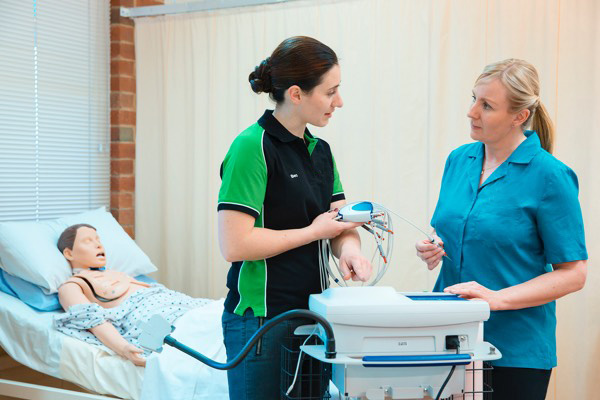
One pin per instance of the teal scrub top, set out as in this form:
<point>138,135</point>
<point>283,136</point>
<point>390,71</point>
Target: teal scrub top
<point>523,218</point>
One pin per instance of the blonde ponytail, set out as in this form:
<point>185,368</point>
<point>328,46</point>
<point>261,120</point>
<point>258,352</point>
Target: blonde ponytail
<point>544,127</point>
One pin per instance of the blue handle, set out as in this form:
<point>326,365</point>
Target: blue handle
<point>447,359</point>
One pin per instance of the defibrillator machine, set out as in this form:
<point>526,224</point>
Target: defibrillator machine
<point>392,345</point>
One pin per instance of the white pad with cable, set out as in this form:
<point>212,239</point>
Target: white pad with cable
<point>173,374</point>
<point>154,332</point>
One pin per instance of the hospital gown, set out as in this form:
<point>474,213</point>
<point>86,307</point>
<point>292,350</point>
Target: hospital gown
<point>139,307</point>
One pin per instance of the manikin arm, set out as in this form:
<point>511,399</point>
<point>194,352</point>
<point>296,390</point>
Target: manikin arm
<point>70,294</point>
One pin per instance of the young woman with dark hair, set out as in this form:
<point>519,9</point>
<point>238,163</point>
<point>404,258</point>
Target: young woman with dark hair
<point>279,195</point>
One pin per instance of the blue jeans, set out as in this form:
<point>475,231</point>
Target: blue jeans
<point>258,376</point>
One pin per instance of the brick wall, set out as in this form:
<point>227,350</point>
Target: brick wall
<point>122,113</point>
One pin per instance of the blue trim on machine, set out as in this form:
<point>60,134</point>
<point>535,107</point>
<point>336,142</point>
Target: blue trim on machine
<point>416,365</point>
<point>425,357</point>
<point>434,297</point>
<point>451,359</point>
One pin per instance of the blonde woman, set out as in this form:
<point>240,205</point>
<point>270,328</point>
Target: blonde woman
<point>511,224</point>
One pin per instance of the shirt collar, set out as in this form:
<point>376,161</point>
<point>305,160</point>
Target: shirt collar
<point>527,149</point>
<point>274,128</point>
<point>522,154</point>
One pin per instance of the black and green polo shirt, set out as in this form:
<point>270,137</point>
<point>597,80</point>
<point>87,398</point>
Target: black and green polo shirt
<point>285,183</point>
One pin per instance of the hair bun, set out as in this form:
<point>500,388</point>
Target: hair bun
<point>260,78</point>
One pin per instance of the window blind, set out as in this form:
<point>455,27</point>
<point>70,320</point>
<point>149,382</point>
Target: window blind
<point>54,108</point>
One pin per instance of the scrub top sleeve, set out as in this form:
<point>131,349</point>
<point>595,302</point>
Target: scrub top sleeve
<point>338,190</point>
<point>559,219</point>
<point>244,176</point>
<point>445,174</point>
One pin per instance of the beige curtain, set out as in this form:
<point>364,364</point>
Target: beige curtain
<point>407,72</point>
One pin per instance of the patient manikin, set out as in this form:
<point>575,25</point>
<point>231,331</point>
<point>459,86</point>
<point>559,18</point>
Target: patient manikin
<point>108,303</point>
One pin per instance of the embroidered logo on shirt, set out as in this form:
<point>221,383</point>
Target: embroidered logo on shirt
<point>293,176</point>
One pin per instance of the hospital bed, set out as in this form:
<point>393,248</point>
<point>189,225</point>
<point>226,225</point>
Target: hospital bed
<point>29,338</point>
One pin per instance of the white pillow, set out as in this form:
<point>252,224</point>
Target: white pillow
<point>28,249</point>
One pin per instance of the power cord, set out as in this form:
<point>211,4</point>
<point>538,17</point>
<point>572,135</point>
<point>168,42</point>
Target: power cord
<point>445,382</point>
<point>300,359</point>
<point>455,342</point>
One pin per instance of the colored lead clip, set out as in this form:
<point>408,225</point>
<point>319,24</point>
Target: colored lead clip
<point>432,240</point>
<point>383,228</point>
<point>365,227</point>
<point>382,253</point>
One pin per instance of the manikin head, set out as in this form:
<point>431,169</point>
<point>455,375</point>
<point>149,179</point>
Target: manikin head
<point>81,246</point>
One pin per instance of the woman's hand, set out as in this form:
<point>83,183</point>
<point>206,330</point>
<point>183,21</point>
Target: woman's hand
<point>326,227</point>
<point>354,265</point>
<point>132,353</point>
<point>473,290</point>
<point>429,252</point>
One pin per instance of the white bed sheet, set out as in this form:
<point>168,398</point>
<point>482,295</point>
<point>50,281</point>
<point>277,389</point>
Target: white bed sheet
<point>29,337</point>
<point>173,374</point>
